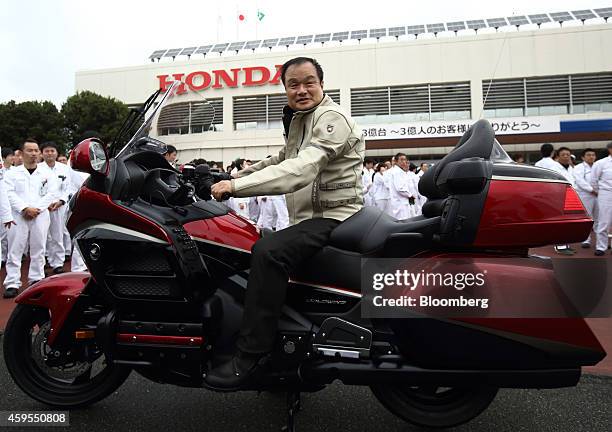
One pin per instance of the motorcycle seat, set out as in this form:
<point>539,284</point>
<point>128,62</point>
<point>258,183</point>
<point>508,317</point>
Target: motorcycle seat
<point>367,231</point>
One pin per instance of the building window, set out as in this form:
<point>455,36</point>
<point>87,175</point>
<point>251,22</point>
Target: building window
<point>448,101</point>
<point>551,95</point>
<point>264,111</point>
<point>191,117</point>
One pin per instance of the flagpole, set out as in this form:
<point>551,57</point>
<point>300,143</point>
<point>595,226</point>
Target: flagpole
<point>256,21</point>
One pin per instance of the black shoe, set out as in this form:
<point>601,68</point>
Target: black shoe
<point>10,293</point>
<point>586,245</point>
<point>234,374</point>
<point>32,283</point>
<point>58,270</point>
<point>599,253</point>
<point>3,264</point>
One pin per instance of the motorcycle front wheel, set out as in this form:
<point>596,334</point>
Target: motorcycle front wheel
<point>81,380</point>
<point>434,406</point>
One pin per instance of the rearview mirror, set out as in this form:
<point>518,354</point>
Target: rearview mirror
<point>90,157</point>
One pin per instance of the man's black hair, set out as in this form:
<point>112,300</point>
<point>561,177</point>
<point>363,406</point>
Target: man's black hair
<point>398,155</point>
<point>6,152</point>
<point>367,161</point>
<point>586,150</point>
<point>49,144</point>
<point>546,150</point>
<point>27,140</point>
<point>563,148</point>
<point>298,61</point>
<point>170,149</point>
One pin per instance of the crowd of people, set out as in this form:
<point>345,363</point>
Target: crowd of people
<point>592,180</point>
<point>393,186</point>
<point>35,186</point>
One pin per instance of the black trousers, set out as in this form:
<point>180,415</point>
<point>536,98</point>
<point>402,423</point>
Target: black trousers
<point>273,258</point>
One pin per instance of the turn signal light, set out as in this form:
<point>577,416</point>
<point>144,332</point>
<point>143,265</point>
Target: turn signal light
<point>572,204</point>
<point>84,334</point>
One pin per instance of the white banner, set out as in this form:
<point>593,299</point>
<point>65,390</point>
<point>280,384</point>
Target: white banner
<point>456,128</point>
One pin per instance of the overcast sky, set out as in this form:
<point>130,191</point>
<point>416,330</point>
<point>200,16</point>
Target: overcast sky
<point>44,42</point>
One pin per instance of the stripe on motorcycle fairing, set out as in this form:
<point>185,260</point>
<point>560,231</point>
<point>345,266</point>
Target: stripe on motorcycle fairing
<point>528,179</point>
<point>120,229</point>
<point>334,290</point>
<point>219,244</point>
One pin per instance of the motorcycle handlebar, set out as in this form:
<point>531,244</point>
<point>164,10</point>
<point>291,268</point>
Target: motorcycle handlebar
<point>204,178</point>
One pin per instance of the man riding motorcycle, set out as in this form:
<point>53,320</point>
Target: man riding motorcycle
<point>319,170</point>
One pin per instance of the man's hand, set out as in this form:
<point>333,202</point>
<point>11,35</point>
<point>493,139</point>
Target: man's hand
<point>56,205</point>
<point>30,213</point>
<point>7,225</point>
<point>218,189</point>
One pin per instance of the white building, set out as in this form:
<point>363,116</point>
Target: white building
<point>411,95</point>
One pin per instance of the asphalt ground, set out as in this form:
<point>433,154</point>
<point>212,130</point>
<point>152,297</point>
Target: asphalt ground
<point>140,405</point>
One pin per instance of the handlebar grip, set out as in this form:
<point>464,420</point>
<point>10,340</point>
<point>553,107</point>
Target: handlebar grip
<point>226,196</point>
<point>221,176</point>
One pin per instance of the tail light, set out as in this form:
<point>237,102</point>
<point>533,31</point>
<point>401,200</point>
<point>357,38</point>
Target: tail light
<point>573,204</point>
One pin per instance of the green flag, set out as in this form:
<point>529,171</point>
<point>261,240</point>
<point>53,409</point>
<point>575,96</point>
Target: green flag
<point>260,15</point>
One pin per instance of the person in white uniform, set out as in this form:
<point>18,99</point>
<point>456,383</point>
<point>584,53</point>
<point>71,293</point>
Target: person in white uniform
<point>6,216</point>
<point>582,178</point>
<point>31,189</point>
<point>421,199</point>
<point>547,161</point>
<point>67,240</point>
<point>56,253</point>
<point>273,213</point>
<point>414,178</point>
<point>380,189</point>
<point>401,188</point>
<point>601,181</point>
<point>7,163</point>
<point>366,181</point>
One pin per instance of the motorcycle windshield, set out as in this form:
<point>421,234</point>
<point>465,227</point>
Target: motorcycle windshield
<point>165,115</point>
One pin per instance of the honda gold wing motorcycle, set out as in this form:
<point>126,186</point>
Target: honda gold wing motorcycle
<point>168,268</point>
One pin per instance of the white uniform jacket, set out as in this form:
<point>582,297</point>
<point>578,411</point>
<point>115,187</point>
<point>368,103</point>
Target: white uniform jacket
<point>37,190</point>
<point>601,175</point>
<point>380,189</point>
<point>582,178</point>
<point>61,175</point>
<point>401,189</point>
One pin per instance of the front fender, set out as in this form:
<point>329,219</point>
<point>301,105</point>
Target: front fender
<point>58,294</point>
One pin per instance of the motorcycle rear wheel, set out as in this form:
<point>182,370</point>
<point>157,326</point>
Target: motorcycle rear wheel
<point>433,406</point>
<point>73,385</point>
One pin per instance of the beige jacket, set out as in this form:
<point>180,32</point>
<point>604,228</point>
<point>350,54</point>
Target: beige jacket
<point>319,169</point>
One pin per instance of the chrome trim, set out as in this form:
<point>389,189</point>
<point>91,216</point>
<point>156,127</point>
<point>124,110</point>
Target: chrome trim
<point>120,229</point>
<point>328,289</point>
<point>219,244</point>
<point>332,351</point>
<point>528,179</point>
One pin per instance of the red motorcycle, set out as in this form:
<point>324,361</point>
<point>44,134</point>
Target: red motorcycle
<point>168,268</point>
